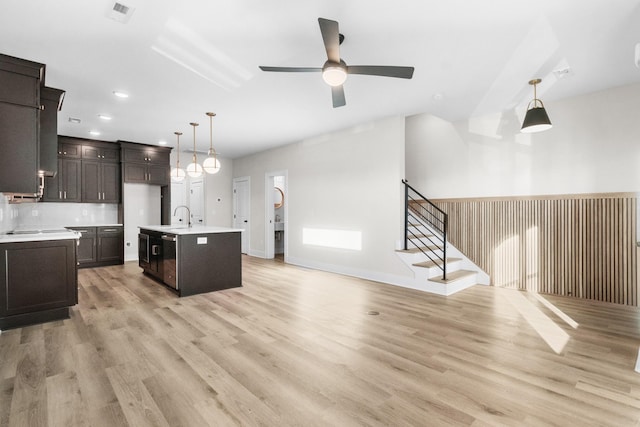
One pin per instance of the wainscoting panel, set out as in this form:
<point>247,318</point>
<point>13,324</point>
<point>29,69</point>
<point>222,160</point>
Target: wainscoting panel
<point>575,245</point>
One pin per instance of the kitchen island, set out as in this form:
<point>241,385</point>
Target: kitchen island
<point>38,276</point>
<point>191,260</point>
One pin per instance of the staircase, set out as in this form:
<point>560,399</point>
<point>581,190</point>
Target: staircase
<point>438,266</point>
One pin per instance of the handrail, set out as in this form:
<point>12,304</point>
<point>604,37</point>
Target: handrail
<point>405,182</point>
<point>434,222</point>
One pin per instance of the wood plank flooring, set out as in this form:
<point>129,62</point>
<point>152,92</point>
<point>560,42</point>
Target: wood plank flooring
<point>297,347</point>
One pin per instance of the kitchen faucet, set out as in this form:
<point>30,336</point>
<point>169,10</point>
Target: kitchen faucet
<point>188,212</point>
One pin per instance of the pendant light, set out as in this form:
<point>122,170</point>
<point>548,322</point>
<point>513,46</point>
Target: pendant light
<point>211,164</point>
<point>536,119</point>
<point>177,173</point>
<point>194,170</point>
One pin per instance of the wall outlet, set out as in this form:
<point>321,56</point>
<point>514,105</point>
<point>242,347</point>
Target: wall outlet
<point>128,244</point>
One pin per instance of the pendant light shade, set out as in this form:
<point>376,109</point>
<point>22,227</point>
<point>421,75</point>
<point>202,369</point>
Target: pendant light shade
<point>536,119</point>
<point>194,170</point>
<point>177,173</point>
<point>211,164</point>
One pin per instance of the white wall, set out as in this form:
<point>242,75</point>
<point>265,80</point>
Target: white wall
<point>593,147</point>
<point>141,207</point>
<point>348,180</point>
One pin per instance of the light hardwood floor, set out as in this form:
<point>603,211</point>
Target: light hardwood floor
<point>298,347</point>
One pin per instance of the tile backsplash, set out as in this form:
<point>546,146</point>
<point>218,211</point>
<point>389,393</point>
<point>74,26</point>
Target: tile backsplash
<point>53,215</point>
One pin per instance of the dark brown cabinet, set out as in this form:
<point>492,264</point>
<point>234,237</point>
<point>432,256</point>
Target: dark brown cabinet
<point>145,154</point>
<point>88,171</point>
<point>91,152</point>
<point>38,281</point>
<point>69,149</point>
<point>110,245</point>
<point>137,173</point>
<point>87,245</point>
<point>65,186</point>
<point>100,246</point>
<point>20,82</point>
<point>51,100</point>
<point>100,181</point>
<point>143,164</point>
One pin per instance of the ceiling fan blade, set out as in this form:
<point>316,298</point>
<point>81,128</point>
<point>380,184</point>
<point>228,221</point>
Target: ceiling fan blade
<point>337,93</point>
<point>292,69</point>
<point>381,70</point>
<point>331,38</point>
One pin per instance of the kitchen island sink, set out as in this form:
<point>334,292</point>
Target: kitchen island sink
<point>191,260</point>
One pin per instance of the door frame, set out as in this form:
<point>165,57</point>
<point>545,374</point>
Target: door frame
<point>269,226</point>
<point>246,234</point>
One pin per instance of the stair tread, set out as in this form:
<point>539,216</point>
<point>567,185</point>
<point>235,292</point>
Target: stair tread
<point>453,276</point>
<point>417,250</point>
<point>430,264</point>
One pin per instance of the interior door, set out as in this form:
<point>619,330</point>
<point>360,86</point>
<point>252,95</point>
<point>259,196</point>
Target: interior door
<point>196,202</point>
<point>241,209</point>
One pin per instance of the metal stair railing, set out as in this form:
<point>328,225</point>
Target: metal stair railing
<point>420,211</point>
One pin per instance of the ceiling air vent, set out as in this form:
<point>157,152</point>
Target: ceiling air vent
<point>120,12</point>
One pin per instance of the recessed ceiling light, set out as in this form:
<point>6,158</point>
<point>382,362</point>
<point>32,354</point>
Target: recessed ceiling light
<point>120,94</point>
<point>162,142</point>
<point>94,132</point>
<point>74,120</point>
<point>104,117</point>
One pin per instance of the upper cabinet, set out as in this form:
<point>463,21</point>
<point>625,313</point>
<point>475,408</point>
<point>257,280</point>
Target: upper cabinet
<point>28,126</point>
<point>88,172</point>
<point>20,82</point>
<point>103,153</point>
<point>144,164</point>
<point>51,100</point>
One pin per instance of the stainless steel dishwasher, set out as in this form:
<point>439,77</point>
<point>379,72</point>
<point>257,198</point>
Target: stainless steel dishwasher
<point>169,264</point>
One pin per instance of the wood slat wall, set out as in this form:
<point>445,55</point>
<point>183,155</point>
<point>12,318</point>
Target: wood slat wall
<point>575,245</point>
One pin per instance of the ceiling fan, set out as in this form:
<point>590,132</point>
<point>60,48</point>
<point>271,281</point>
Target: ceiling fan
<point>335,70</point>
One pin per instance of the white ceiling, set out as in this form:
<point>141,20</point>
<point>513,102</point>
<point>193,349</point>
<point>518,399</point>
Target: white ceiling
<point>179,59</point>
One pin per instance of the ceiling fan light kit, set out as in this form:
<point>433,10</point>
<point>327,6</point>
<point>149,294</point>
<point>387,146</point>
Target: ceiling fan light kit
<point>536,119</point>
<point>335,70</point>
<point>334,74</point>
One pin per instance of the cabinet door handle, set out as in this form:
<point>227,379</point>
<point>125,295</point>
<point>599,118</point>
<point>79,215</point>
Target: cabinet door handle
<point>59,194</point>
<point>65,194</point>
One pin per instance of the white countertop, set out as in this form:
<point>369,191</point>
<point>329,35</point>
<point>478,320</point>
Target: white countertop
<point>195,229</point>
<point>39,235</point>
<point>94,225</point>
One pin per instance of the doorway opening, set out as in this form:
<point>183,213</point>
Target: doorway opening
<point>276,215</point>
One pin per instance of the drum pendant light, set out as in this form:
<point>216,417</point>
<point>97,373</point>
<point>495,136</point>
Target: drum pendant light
<point>211,164</point>
<point>536,119</point>
<point>177,173</point>
<point>194,170</point>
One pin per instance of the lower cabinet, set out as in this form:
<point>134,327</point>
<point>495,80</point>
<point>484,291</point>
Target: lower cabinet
<point>38,281</point>
<point>100,246</point>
